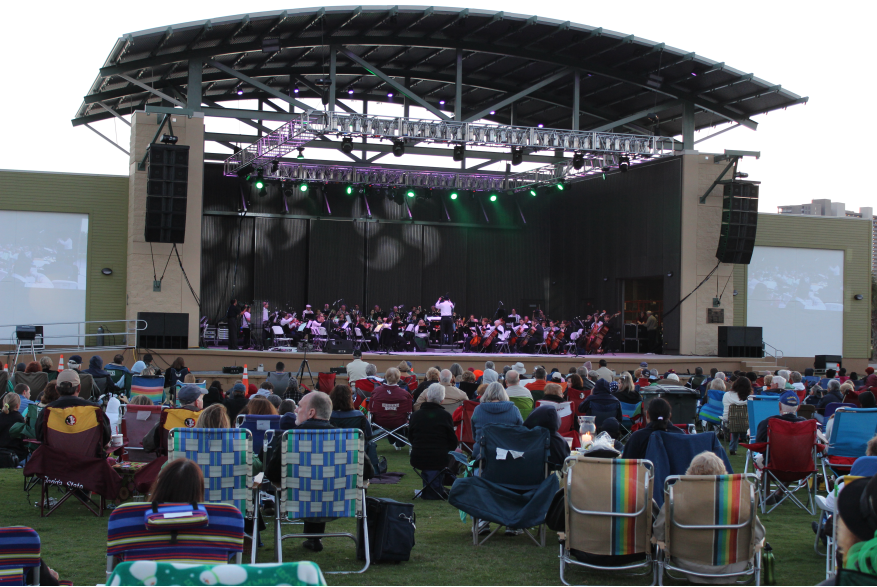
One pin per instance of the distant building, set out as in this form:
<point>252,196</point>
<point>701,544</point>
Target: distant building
<point>826,207</point>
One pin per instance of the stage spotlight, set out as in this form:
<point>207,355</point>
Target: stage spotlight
<point>533,192</point>
<point>560,185</point>
<point>169,139</point>
<point>239,91</point>
<point>303,187</point>
<point>441,102</point>
<point>453,195</point>
<point>347,145</point>
<point>492,112</point>
<point>623,164</point>
<point>295,90</point>
<point>517,155</point>
<point>492,197</point>
<point>410,193</point>
<point>390,95</point>
<point>301,153</point>
<point>349,190</point>
<point>578,160</point>
<point>349,91</point>
<point>459,152</point>
<point>398,148</point>
<point>260,180</point>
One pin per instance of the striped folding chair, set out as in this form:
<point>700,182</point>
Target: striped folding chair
<point>322,477</point>
<point>225,456</point>
<point>132,537</point>
<point>608,514</point>
<point>160,573</point>
<point>151,387</point>
<point>19,553</point>
<point>710,520</point>
<point>711,412</point>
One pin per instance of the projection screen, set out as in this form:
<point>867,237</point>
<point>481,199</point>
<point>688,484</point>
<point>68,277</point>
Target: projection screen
<point>796,296</point>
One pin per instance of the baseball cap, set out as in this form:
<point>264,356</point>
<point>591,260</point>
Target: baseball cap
<point>239,387</point>
<point>68,376</point>
<point>790,398</point>
<point>643,364</point>
<point>189,393</point>
<point>556,376</point>
<point>74,360</point>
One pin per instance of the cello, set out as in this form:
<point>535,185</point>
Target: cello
<point>488,340</point>
<point>557,339</point>
<point>596,341</point>
<point>475,341</point>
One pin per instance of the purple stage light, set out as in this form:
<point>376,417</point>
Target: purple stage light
<point>350,91</point>
<point>492,112</point>
<point>441,102</point>
<point>389,94</point>
<point>295,91</point>
<point>540,125</point>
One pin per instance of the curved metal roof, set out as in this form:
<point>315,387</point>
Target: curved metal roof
<point>623,78</point>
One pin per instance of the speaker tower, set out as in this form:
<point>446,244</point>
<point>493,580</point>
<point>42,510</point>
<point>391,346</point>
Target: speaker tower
<point>739,222</point>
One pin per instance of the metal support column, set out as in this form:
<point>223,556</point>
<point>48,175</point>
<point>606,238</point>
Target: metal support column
<point>333,58</point>
<point>688,126</point>
<point>577,86</point>
<point>364,150</point>
<point>406,103</point>
<point>193,85</point>
<point>458,89</point>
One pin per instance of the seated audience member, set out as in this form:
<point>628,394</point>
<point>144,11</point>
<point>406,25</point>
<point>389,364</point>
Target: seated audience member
<point>467,384</point>
<point>179,481</point>
<point>514,387</point>
<point>356,368</point>
<point>576,390</point>
<point>275,401</point>
<point>390,393</point>
<point>592,376</point>
<point>488,376</point>
<point>546,417</point>
<point>495,408</point>
<point>814,395</point>
<point>118,364</point>
<point>453,399</point>
<point>797,384</point>
<point>74,362</point>
<point>176,372</point>
<point>766,382</point>
<point>705,464</point>
<point>657,420</point>
<point>344,415</point>
<point>857,525</point>
<point>281,380</point>
<point>870,379</point>
<point>138,367</point>
<point>190,398</point>
<point>265,389</point>
<point>371,373</point>
<point>864,399</point>
<point>33,367</point>
<point>215,416</point>
<point>612,427</point>
<point>558,379</point>
<point>9,416</point>
<point>287,406</point>
<point>737,396</point>
<point>537,386</point>
<point>789,403</point>
<point>23,391</point>
<point>259,406</point>
<point>150,370</point>
<point>456,370</point>
<point>628,391</point>
<point>431,433</point>
<point>552,393</point>
<point>97,371</point>
<point>48,367</point>
<point>140,400</point>
<point>832,395</point>
<point>50,394</point>
<point>190,378</point>
<point>432,376</point>
<point>236,401</point>
<point>603,372</point>
<point>696,380</point>
<point>215,394</point>
<point>68,389</point>
<point>601,403</point>
<point>830,375</point>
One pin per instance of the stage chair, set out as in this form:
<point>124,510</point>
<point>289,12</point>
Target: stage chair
<point>19,554</point>
<point>503,342</point>
<point>359,340</point>
<point>322,477</point>
<point>608,514</point>
<point>710,520</point>
<point>150,533</point>
<point>280,338</point>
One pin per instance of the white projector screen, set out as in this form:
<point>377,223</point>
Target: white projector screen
<point>42,272</point>
<point>796,296</point>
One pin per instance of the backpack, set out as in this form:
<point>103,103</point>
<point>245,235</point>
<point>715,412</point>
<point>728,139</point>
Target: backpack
<point>9,460</point>
<point>391,526</point>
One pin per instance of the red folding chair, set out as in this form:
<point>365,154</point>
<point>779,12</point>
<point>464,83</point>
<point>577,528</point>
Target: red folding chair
<point>363,389</point>
<point>136,423</point>
<point>577,396</point>
<point>465,433</point>
<point>789,459</point>
<point>325,382</point>
<point>410,381</point>
<point>390,416</point>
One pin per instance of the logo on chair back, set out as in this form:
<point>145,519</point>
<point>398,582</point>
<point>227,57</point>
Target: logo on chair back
<point>189,422</point>
<point>391,407</point>
<point>70,420</point>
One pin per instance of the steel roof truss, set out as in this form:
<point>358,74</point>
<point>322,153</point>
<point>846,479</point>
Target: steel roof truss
<point>151,90</point>
<point>516,96</point>
<point>256,84</point>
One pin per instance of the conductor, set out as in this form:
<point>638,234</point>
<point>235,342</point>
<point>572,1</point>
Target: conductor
<point>446,307</point>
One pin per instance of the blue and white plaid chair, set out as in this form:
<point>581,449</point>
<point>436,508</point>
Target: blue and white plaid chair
<point>322,477</point>
<point>225,456</point>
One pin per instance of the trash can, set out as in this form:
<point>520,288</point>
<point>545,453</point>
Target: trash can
<point>682,400</point>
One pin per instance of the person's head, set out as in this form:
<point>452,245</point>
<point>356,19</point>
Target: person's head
<point>627,383</point>
<point>784,373</point>
<point>672,377</point>
<point>50,393</point>
<point>213,416</point>
<point>315,405</point>
<point>445,377</point>
<point>553,389</point>
<point>789,402</point>
<point>576,382</point>
<point>603,362</point>
<point>707,463</point>
<point>698,370</point>
<point>489,365</point>
<point>46,363</point>
<point>611,427</point>
<point>456,370</point>
<point>286,406</point>
<point>11,403</point>
<point>275,401</point>
<point>582,373</point>
<point>830,373</point>
<point>140,400</point>
<point>267,385</point>
<point>357,354</point>
<point>867,400</point>
<point>191,395</point>
<point>846,387</point>
<point>539,373</point>
<point>833,386</point>
<point>842,371</point>
<point>23,390</point>
<point>512,377</point>
<point>593,375</point>
<point>179,364</point>
<point>871,448</point>
<point>33,367</point>
<point>435,393</point>
<point>392,376</point>
<point>147,358</point>
<point>742,387</point>
<point>179,481</point>
<point>403,367</point>
<point>342,398</point>
<point>260,406</point>
<point>468,377</point>
<point>718,384</point>
<point>238,390</point>
<point>721,375</point>
<point>494,392</point>
<point>713,372</point>
<point>118,359</point>
<point>189,378</point>
<point>857,509</point>
<point>432,374</point>
<point>370,370</point>
<point>659,413</point>
<point>68,382</point>
<point>74,362</point>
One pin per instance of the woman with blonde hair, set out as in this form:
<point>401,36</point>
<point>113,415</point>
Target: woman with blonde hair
<point>628,391</point>
<point>214,416</point>
<point>140,400</point>
<point>9,417</point>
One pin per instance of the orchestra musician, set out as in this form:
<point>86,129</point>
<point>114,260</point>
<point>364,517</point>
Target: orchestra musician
<point>307,313</point>
<point>535,335</point>
<point>376,314</point>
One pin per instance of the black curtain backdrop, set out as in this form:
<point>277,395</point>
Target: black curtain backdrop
<point>571,255</point>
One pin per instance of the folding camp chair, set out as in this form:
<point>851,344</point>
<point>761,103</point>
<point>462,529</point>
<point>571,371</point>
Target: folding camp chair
<point>608,514</point>
<point>122,379</point>
<point>325,382</point>
<point>390,417</point>
<point>758,408</point>
<point>151,387</point>
<point>630,415</point>
<point>161,573</point>
<point>87,388</point>
<point>35,381</point>
<point>672,453</point>
<point>710,520</point>
<point>738,421</point>
<point>136,423</point>
<point>19,554</point>
<point>830,409</point>
<point>257,425</point>
<point>711,412</point>
<point>225,456</point>
<point>322,477</point>
<point>789,457</point>
<point>568,422</point>
<point>850,433</point>
<point>513,487</point>
<point>409,381</point>
<point>465,432</point>
<point>206,533</point>
<point>524,404</point>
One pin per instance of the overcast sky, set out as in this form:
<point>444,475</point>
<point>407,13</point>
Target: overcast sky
<point>52,52</point>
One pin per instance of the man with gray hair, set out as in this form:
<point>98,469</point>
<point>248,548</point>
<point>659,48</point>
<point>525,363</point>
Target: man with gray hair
<point>514,387</point>
<point>832,394</point>
<point>454,397</point>
<point>786,375</point>
<point>431,433</point>
<point>489,365</point>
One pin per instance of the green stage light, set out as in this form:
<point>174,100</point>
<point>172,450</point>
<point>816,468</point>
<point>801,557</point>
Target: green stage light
<point>260,180</point>
<point>410,193</point>
<point>492,197</point>
<point>349,190</point>
<point>303,187</point>
<point>533,193</point>
<point>560,186</point>
<point>453,195</point>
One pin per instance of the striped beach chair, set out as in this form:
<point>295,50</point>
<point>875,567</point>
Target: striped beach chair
<point>608,514</point>
<point>129,538</point>
<point>322,477</point>
<point>151,387</point>
<point>159,573</point>
<point>19,553</point>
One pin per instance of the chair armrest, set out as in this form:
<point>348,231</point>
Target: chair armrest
<point>755,447</point>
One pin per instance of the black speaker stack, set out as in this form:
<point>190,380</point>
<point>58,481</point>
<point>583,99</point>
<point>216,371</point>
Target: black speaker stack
<point>740,341</point>
<point>339,347</point>
<point>739,222</point>
<point>167,186</point>
<point>164,330</point>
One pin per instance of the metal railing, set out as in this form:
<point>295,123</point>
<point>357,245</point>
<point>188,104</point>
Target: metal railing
<point>94,341</point>
<point>777,353</point>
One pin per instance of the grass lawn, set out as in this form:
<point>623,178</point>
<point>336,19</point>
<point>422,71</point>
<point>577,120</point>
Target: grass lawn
<point>74,543</point>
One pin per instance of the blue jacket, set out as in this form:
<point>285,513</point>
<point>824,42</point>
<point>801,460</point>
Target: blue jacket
<point>671,454</point>
<point>494,413</point>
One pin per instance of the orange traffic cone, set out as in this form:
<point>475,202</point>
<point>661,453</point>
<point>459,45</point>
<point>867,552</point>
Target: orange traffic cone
<point>61,364</point>
<point>246,381</point>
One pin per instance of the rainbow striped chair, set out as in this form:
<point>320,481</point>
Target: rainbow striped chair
<point>131,537</point>
<point>151,387</point>
<point>710,522</point>
<point>608,515</point>
<point>19,552</point>
<point>322,477</point>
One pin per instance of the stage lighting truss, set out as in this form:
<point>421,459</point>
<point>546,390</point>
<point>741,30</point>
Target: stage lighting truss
<point>308,126</point>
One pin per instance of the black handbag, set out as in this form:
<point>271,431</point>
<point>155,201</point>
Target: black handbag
<point>555,519</point>
<point>391,526</point>
<point>8,459</point>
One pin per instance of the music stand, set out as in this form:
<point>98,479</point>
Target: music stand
<point>304,363</point>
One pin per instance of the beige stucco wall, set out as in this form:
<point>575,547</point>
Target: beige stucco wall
<point>174,295</point>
